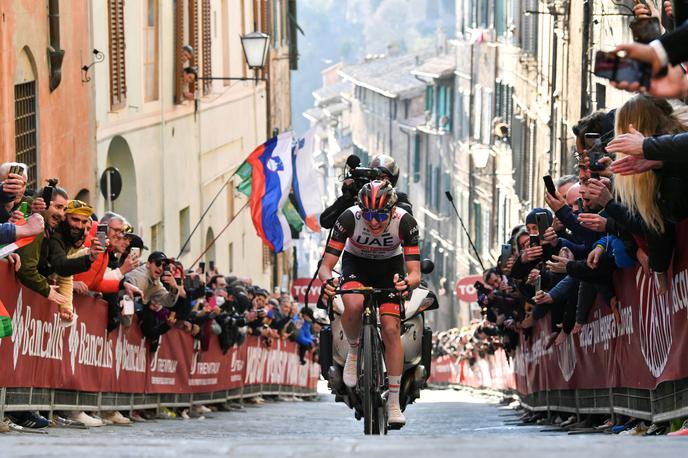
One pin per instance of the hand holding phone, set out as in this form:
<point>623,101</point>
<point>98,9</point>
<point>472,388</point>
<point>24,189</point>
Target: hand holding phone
<point>135,252</point>
<point>611,66</point>
<point>549,185</point>
<point>101,235</point>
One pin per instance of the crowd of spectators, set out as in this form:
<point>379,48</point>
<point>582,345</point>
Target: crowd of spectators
<point>64,251</point>
<point>619,209</point>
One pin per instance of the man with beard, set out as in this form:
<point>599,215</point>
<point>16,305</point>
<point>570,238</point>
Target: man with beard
<point>66,255</point>
<point>33,272</point>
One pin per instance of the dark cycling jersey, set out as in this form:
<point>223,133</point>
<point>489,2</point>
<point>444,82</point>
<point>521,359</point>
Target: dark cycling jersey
<point>351,234</point>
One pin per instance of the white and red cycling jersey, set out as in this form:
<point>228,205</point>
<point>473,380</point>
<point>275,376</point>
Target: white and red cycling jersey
<point>352,235</point>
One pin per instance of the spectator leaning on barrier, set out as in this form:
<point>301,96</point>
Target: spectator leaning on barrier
<point>149,278</point>
<point>34,256</point>
<point>68,255</point>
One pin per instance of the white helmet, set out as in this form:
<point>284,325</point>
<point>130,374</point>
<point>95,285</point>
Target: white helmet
<point>387,165</point>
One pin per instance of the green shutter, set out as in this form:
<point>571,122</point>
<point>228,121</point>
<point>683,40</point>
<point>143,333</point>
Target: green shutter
<point>429,98</point>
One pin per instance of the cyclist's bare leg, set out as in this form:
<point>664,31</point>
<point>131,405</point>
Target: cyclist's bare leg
<point>394,360</point>
<point>394,352</point>
<point>352,318</point>
<point>351,322</point>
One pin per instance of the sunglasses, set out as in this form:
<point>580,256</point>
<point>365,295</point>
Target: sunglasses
<point>159,263</point>
<point>379,216</point>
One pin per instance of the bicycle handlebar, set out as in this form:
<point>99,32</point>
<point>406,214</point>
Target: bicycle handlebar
<point>367,290</point>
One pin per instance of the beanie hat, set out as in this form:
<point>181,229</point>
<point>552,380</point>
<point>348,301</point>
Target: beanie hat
<point>77,207</point>
<point>530,219</point>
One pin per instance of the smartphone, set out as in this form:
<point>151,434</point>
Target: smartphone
<point>506,252</point>
<point>595,150</point>
<point>534,240</point>
<point>542,223</point>
<point>581,205</point>
<point>135,252</point>
<point>211,266</point>
<point>538,283</point>
<point>17,169</point>
<point>614,68</point>
<point>127,305</point>
<point>47,195</point>
<point>101,234</point>
<point>549,185</point>
<point>201,265</point>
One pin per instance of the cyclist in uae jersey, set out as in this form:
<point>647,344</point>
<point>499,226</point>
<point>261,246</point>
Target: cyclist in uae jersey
<point>379,242</point>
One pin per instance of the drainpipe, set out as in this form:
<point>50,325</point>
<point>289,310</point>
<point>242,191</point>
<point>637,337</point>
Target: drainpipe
<point>55,54</point>
<point>585,60</point>
<point>553,85</point>
<point>161,97</point>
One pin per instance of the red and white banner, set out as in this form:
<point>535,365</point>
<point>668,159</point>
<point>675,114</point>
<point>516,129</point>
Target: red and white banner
<point>43,353</point>
<point>645,348</point>
<point>299,287</point>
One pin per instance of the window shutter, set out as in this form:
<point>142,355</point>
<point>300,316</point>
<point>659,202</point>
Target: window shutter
<point>193,36</point>
<point>517,141</point>
<point>207,54</point>
<point>118,86</point>
<point>178,43</point>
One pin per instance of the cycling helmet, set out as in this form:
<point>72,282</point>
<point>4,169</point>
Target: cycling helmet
<point>387,165</point>
<point>378,196</point>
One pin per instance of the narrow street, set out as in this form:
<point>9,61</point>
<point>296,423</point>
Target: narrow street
<point>443,423</point>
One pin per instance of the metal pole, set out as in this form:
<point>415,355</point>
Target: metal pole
<point>108,187</point>
<point>470,240</point>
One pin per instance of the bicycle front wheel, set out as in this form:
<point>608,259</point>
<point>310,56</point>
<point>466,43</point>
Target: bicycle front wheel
<point>369,380</point>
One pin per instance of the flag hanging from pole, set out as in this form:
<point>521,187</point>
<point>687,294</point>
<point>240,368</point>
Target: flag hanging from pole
<point>306,182</point>
<point>271,177</point>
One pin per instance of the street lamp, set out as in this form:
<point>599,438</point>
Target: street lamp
<point>255,46</point>
<point>481,154</point>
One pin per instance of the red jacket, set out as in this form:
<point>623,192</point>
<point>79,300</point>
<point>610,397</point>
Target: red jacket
<point>94,276</point>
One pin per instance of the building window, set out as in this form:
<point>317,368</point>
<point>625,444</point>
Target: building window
<point>230,202</point>
<point>429,98</point>
<point>267,257</point>
<point>184,228</point>
<point>437,181</point>
<point>25,129</point>
<point>207,48</point>
<point>478,227</point>
<point>156,237</point>
<point>185,33</point>
<point>118,83</point>
<point>477,114</point>
<point>416,158</point>
<point>150,63</point>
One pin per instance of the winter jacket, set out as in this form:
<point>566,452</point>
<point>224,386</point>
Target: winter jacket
<point>29,274</point>
<point>8,233</point>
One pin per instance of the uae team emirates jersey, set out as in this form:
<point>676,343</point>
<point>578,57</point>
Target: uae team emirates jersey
<point>351,234</point>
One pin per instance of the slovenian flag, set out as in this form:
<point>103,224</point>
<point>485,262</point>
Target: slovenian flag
<point>271,171</point>
<point>307,182</point>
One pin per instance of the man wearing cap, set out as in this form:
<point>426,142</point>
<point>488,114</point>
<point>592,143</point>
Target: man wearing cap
<point>67,256</point>
<point>154,281</point>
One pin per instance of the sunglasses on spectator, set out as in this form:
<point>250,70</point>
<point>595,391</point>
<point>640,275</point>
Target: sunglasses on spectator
<point>159,263</point>
<point>377,215</point>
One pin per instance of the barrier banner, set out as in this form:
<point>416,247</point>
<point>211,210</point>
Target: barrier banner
<point>646,347</point>
<point>443,370</point>
<point>43,353</point>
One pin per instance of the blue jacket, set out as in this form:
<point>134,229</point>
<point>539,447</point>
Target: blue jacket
<point>305,337</point>
<point>570,221</point>
<point>8,233</point>
<point>615,247</point>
